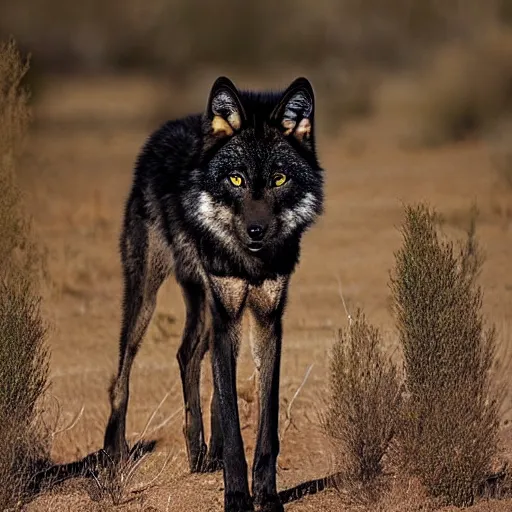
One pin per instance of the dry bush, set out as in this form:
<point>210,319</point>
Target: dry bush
<point>464,91</point>
<point>450,419</point>
<point>504,11</point>
<point>474,88</point>
<point>118,484</point>
<point>362,408</point>
<point>500,143</point>
<point>23,353</point>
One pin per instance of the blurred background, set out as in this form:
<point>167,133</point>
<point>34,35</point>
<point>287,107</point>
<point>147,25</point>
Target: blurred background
<point>460,51</point>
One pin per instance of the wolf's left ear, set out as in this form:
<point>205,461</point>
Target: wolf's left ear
<point>295,112</point>
<point>224,111</point>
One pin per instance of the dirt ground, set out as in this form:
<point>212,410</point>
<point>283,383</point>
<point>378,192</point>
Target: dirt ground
<point>77,174</point>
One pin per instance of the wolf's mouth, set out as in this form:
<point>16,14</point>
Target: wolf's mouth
<point>255,246</point>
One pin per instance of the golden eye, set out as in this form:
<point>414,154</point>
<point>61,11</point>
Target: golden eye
<point>279,179</point>
<point>236,180</point>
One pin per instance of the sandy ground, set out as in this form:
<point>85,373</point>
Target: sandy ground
<point>77,175</point>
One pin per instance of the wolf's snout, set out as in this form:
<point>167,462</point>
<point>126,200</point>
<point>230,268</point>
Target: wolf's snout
<point>256,232</point>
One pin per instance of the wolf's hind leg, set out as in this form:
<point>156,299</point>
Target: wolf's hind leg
<point>146,264</point>
<point>193,347</point>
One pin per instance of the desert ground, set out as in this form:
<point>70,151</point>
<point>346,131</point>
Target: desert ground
<point>76,175</point>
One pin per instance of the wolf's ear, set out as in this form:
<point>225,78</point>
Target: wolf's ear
<point>224,113</point>
<point>294,113</point>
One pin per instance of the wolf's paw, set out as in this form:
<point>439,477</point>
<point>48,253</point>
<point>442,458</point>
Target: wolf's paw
<point>238,502</point>
<point>197,459</point>
<point>211,465</point>
<point>269,503</point>
<point>114,453</point>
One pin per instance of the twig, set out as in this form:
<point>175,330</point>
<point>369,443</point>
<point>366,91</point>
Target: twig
<point>101,488</point>
<point>288,421</point>
<point>340,293</point>
<point>165,422</point>
<point>152,416</point>
<point>72,424</point>
<point>132,466</point>
<point>57,416</point>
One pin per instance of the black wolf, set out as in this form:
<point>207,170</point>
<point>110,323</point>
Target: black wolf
<point>221,199</point>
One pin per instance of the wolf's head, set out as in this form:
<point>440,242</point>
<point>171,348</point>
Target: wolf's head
<point>260,182</point>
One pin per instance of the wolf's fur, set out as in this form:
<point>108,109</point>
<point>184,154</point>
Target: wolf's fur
<point>231,248</point>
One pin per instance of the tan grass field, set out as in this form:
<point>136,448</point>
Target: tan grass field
<point>76,176</point>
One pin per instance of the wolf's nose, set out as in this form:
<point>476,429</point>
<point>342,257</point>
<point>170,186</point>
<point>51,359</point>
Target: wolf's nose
<point>256,232</point>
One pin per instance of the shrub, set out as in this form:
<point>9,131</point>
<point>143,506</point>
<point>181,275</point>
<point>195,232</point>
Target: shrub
<point>363,406</point>
<point>449,431</point>
<point>23,353</point>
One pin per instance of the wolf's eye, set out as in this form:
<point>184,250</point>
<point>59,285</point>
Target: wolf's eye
<point>279,179</point>
<point>236,180</point>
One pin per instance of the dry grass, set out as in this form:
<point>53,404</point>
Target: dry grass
<point>450,419</point>
<point>23,352</point>
<point>362,408</point>
<point>122,484</point>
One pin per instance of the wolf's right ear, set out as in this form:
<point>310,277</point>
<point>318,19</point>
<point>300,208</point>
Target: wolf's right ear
<point>294,114</point>
<point>225,114</point>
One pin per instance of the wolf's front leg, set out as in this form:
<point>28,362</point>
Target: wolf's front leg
<point>267,304</point>
<point>228,301</point>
